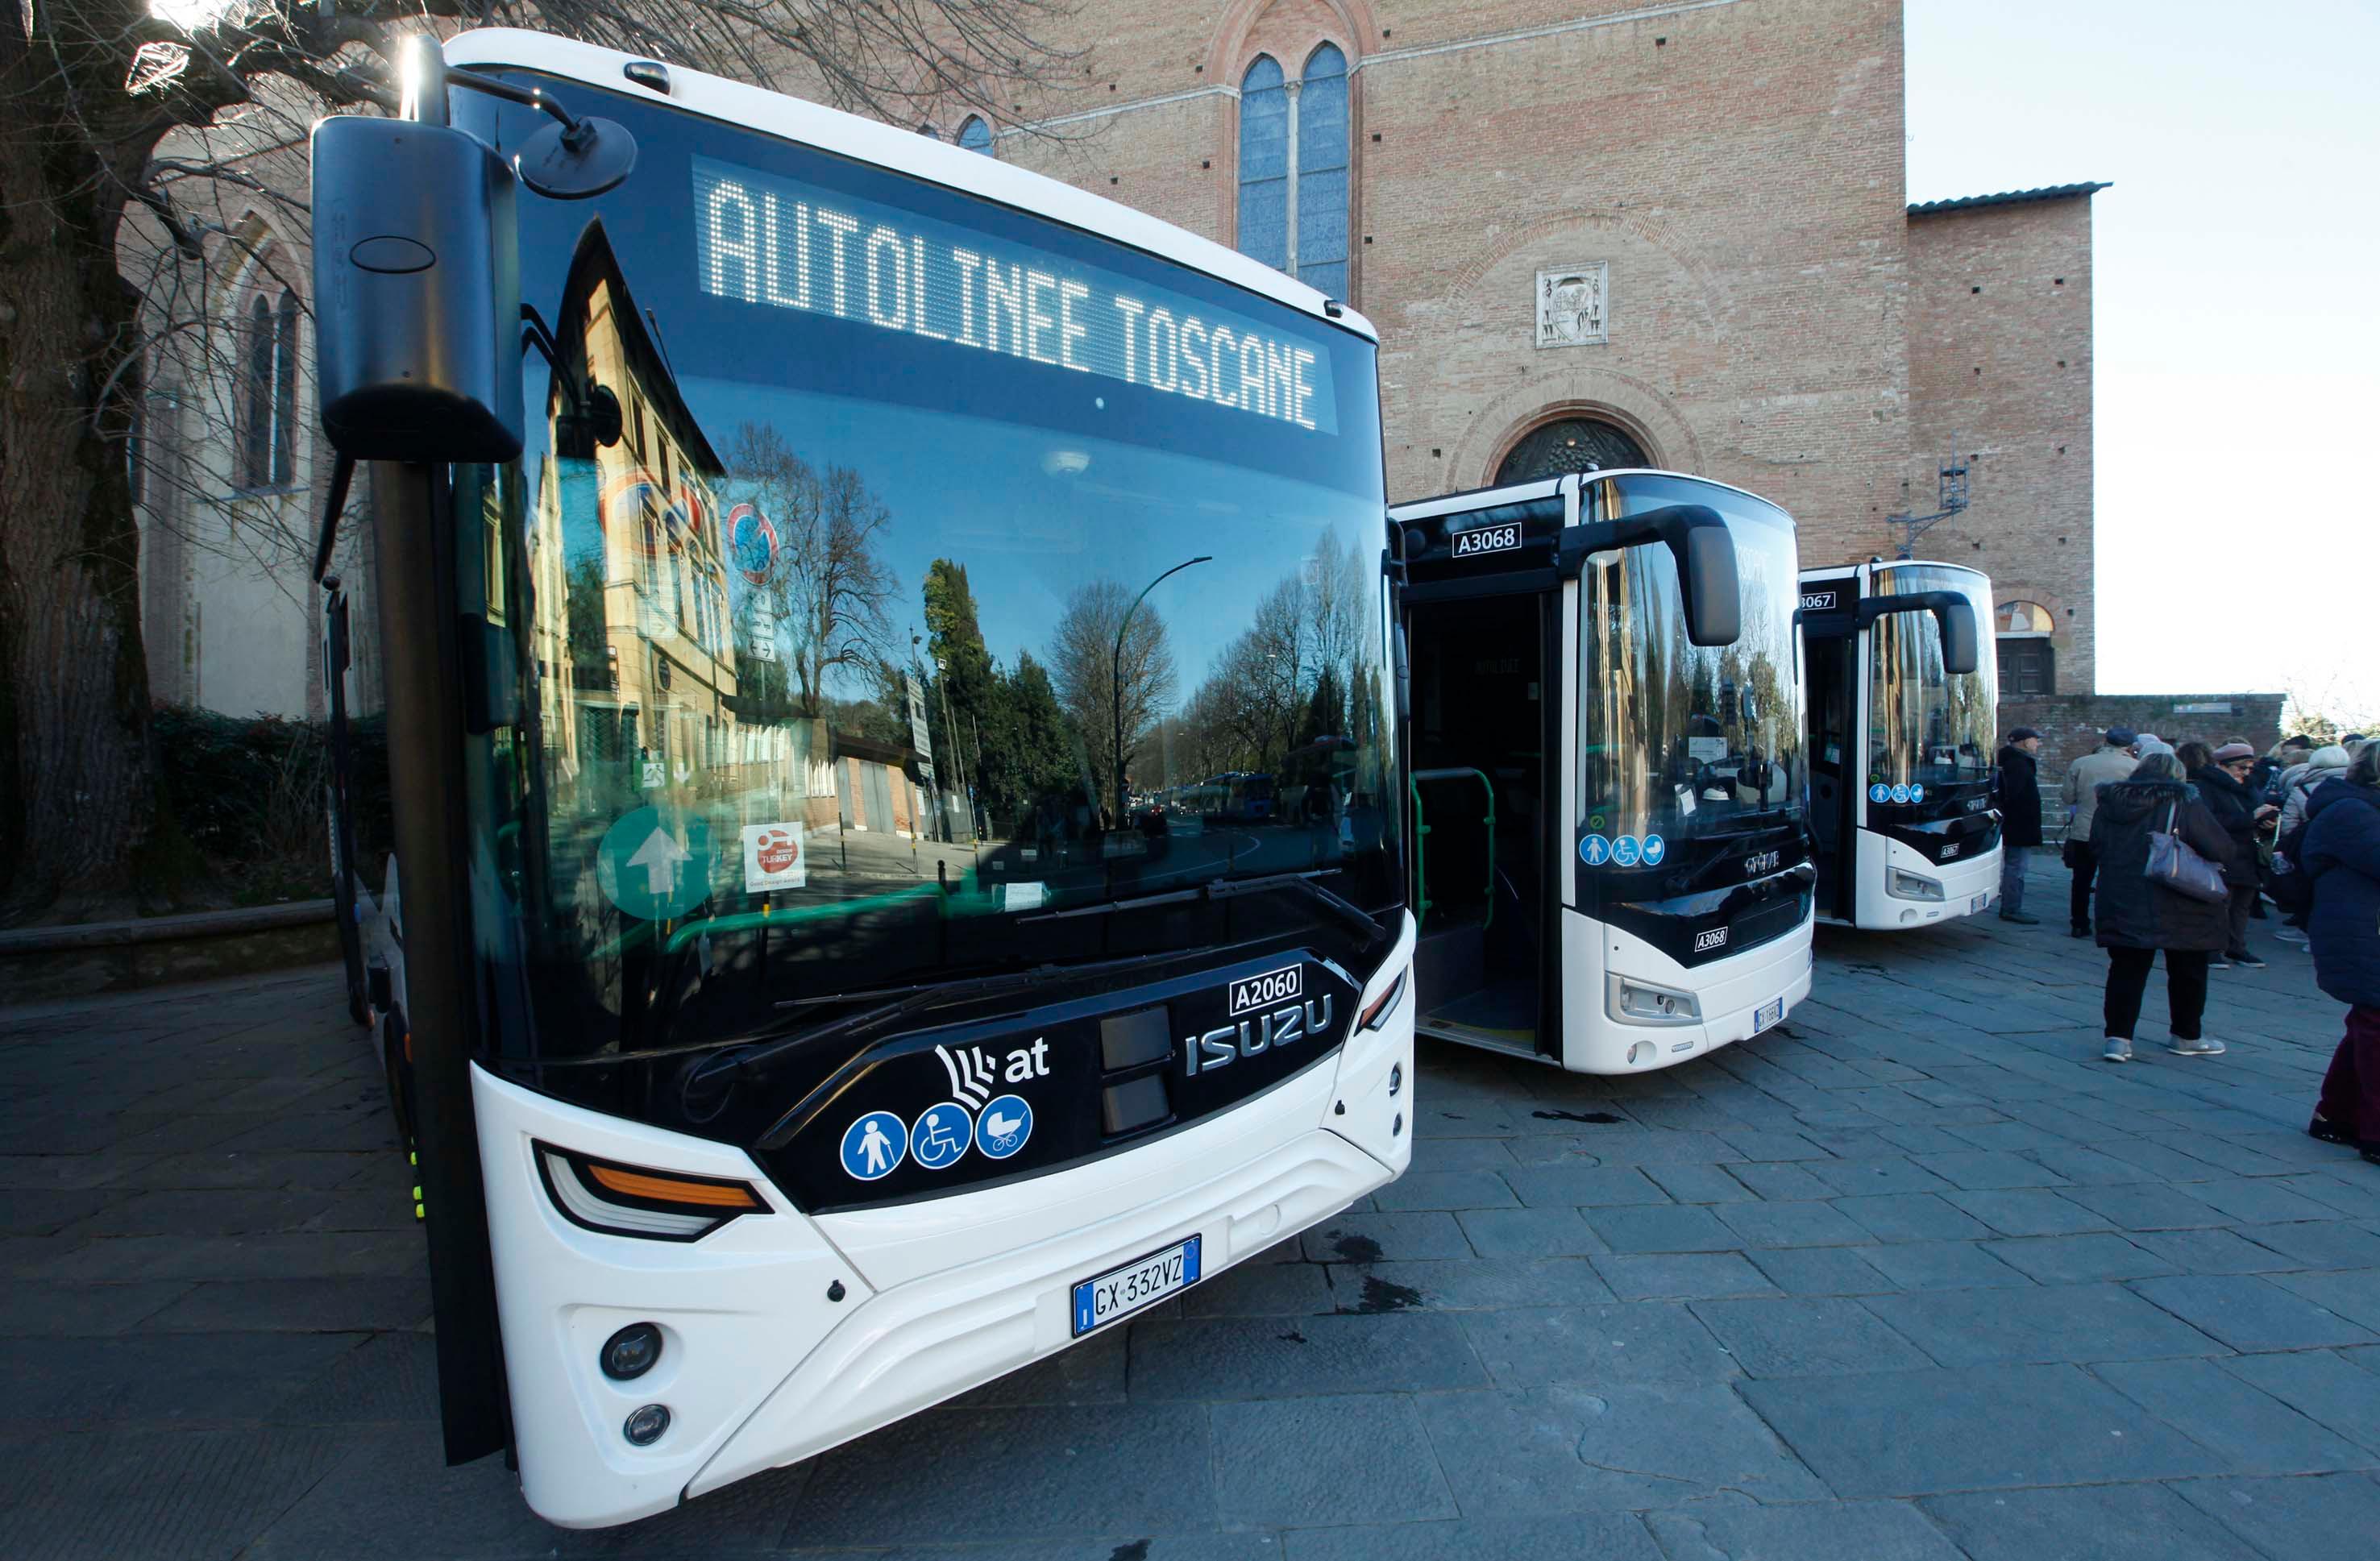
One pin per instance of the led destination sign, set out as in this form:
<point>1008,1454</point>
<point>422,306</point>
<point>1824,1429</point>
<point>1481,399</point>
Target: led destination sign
<point>777,243</point>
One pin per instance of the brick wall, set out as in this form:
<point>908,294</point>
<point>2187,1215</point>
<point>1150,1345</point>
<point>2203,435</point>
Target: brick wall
<point>1999,361</point>
<point>2073,724</point>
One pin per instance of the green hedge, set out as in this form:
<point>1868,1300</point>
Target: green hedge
<point>250,793</point>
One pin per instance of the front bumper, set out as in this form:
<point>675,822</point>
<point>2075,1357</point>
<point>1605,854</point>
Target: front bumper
<point>1967,887</point>
<point>788,1334</point>
<point>1732,992</point>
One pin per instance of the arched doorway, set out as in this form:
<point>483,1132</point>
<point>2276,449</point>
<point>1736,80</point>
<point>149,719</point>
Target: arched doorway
<point>1571,444</point>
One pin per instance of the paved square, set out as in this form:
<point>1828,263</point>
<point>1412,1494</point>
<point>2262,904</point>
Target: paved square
<point>1916,1276</point>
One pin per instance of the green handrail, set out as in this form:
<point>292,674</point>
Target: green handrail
<point>1421,830</point>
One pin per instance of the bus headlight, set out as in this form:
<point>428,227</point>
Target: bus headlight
<point>1641,1002</point>
<point>628,1200</point>
<point>1910,885</point>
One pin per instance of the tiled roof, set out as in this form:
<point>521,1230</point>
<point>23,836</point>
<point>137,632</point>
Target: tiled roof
<point>2008,197</point>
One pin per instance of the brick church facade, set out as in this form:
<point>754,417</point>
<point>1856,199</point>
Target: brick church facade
<point>1676,233</point>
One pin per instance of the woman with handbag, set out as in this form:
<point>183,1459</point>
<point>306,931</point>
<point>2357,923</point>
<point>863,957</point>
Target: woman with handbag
<point>2161,857</point>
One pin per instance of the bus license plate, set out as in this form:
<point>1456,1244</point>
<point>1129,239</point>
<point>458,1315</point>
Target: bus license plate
<point>1767,1013</point>
<point>1978,903</point>
<point>1145,1281</point>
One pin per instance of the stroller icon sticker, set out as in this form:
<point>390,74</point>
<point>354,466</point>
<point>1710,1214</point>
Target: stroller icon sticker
<point>1004,1126</point>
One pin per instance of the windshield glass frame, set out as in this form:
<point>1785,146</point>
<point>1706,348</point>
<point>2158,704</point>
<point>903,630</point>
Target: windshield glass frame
<point>1287,526</point>
<point>1630,616</point>
<point>1916,713</point>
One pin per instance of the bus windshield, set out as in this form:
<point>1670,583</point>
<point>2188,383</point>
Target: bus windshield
<point>1926,728</point>
<point>890,571</point>
<point>1677,740</point>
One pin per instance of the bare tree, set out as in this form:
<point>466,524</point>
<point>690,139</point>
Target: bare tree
<point>1104,691</point>
<point>123,124</point>
<point>830,590</point>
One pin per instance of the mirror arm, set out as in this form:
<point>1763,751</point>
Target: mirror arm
<point>574,129</point>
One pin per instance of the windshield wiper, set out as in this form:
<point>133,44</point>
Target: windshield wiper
<point>1302,884</point>
<point>726,1069</point>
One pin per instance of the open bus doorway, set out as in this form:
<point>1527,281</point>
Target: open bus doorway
<point>1480,782</point>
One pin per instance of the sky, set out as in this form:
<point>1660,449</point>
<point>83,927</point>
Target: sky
<point>2236,314</point>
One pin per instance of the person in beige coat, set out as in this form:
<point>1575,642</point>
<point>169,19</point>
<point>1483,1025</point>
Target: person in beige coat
<point>2110,762</point>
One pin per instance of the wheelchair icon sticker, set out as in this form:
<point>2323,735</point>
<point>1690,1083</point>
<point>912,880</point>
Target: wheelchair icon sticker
<point>940,1137</point>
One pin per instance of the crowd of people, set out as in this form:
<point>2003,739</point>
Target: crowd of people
<point>2178,848</point>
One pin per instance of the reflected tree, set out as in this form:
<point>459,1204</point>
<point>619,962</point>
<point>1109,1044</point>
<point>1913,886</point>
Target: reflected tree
<point>830,591</point>
<point>1103,689</point>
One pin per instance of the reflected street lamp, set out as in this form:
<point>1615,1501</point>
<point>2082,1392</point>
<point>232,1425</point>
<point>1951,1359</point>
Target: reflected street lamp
<point>1115,677</point>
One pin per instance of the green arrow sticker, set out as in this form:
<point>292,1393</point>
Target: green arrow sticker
<point>656,866</point>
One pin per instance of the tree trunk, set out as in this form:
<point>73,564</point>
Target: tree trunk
<point>78,781</point>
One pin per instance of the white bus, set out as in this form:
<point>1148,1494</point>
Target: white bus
<point>1902,691</point>
<point>747,1121</point>
<point>1612,863</point>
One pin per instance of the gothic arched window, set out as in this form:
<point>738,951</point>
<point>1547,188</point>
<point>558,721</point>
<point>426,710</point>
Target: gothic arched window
<point>1320,202</point>
<point>1572,445</point>
<point>1293,165</point>
<point>976,136</point>
<point>1264,165</point>
<point>267,393</point>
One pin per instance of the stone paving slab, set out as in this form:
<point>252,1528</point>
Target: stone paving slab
<point>1913,1276</point>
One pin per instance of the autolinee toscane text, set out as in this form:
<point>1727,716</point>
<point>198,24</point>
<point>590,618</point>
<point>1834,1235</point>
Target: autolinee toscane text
<point>771,242</point>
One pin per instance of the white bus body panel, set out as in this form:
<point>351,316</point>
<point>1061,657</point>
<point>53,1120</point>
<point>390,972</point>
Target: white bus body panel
<point>759,1368</point>
<point>1732,991</point>
<point>1963,883</point>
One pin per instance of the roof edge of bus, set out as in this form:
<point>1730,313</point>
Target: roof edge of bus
<point>745,106</point>
<point>1542,487</point>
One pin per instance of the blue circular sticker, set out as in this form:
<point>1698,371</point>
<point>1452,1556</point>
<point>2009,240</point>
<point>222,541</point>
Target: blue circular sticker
<point>1624,851</point>
<point>874,1144</point>
<point>1901,792</point>
<point>939,1138</point>
<point>1655,848</point>
<point>1594,850</point>
<point>1916,791</point>
<point>655,866</point>
<point>1879,792</point>
<point>1004,1126</point>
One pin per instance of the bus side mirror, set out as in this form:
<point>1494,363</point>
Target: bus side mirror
<point>416,291</point>
<point>1959,648</point>
<point>1706,581</point>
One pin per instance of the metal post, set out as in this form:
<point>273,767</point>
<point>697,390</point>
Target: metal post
<point>1115,675</point>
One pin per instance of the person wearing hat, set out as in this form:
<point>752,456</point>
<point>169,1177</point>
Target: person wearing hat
<point>2016,791</point>
<point>2110,762</point>
<point>2221,777</point>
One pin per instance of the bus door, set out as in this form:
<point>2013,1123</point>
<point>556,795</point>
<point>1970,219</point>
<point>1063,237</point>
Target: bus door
<point>1829,671</point>
<point>1483,625</point>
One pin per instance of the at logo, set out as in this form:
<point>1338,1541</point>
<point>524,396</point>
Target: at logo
<point>1226,1044</point>
<point>1763,862</point>
<point>1714,938</point>
<point>973,1070</point>
<point>1977,804</point>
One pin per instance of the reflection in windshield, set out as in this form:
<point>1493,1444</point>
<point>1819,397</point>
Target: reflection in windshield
<point>849,670</point>
<point>1924,726</point>
<point>1677,739</point>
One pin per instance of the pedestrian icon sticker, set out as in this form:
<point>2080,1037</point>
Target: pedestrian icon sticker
<point>1655,848</point>
<point>939,1138</point>
<point>1006,1125</point>
<point>874,1145</point>
<point>1624,851</point>
<point>1879,792</point>
<point>1594,850</point>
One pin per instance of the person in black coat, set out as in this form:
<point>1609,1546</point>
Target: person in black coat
<point>2138,917</point>
<point>2342,852</point>
<point>2221,777</point>
<point>2016,791</point>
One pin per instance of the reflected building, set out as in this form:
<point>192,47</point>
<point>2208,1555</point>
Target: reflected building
<point>634,641</point>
